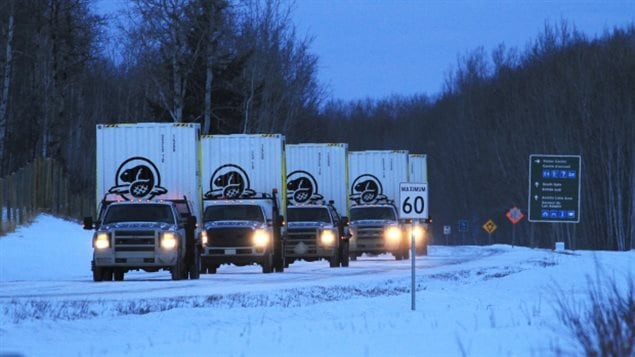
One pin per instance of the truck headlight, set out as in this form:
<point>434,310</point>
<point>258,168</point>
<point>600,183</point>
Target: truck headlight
<point>393,235</point>
<point>261,238</point>
<point>102,240</point>
<point>327,237</point>
<point>204,238</point>
<point>168,240</point>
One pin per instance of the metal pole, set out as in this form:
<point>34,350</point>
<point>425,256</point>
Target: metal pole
<point>513,234</point>
<point>412,259</point>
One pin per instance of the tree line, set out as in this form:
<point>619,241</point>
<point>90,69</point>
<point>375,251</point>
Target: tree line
<point>564,94</point>
<point>232,65</point>
<point>240,66</point>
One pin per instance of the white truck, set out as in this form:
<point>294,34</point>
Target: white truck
<point>317,204</point>
<point>374,178</point>
<point>148,200</point>
<point>418,172</point>
<point>244,201</point>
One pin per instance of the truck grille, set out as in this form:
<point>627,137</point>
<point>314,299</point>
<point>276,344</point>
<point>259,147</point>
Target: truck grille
<point>134,241</point>
<point>370,232</point>
<point>230,237</point>
<point>308,237</point>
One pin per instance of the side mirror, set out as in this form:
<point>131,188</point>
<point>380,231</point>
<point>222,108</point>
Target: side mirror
<point>88,223</point>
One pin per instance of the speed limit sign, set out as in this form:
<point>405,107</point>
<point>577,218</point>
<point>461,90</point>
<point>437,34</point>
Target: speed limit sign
<point>413,200</point>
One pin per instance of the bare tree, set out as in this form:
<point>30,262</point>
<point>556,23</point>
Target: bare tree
<point>278,83</point>
<point>162,31</point>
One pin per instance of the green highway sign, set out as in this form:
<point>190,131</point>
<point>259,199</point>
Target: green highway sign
<point>554,188</point>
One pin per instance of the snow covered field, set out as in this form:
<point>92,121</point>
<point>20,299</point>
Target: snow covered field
<point>475,301</point>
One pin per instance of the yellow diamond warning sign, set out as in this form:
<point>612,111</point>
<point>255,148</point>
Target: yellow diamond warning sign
<point>490,226</point>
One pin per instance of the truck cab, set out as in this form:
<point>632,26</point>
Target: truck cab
<point>143,235</point>
<point>376,229</point>
<point>316,232</point>
<point>241,232</point>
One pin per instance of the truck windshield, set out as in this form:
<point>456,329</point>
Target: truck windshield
<point>313,214</point>
<point>139,213</point>
<point>382,213</point>
<point>234,213</point>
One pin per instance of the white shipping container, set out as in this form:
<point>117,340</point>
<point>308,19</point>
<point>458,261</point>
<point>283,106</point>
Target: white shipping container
<point>376,174</point>
<point>317,172</point>
<point>243,166</point>
<point>149,161</point>
<point>418,164</point>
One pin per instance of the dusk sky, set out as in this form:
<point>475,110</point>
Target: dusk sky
<point>375,48</point>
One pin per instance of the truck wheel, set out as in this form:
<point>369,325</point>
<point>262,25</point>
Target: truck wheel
<point>422,250</point>
<point>209,269</point>
<point>119,275</point>
<point>279,265</point>
<point>98,274</point>
<point>107,274</point>
<point>353,257</point>
<point>194,268</point>
<point>406,254</point>
<point>344,255</point>
<point>178,270</point>
<point>398,255</point>
<point>267,264</point>
<point>334,262</point>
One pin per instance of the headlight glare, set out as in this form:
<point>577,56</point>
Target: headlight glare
<point>419,233</point>
<point>327,237</point>
<point>393,234</point>
<point>261,238</point>
<point>168,240</point>
<point>102,241</point>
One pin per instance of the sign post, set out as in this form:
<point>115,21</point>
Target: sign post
<point>514,215</point>
<point>463,228</point>
<point>413,205</point>
<point>490,227</point>
<point>447,230</point>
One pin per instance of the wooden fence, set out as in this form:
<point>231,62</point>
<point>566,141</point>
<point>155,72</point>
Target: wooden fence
<point>41,186</point>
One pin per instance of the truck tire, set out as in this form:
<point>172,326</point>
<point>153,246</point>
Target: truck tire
<point>209,269</point>
<point>178,270</point>
<point>98,274</point>
<point>119,274</point>
<point>353,257</point>
<point>422,250</point>
<point>278,266</point>
<point>278,258</point>
<point>267,264</point>
<point>194,268</point>
<point>344,255</point>
<point>334,261</point>
<point>106,274</point>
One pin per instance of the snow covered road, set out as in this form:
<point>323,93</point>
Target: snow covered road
<point>494,300</point>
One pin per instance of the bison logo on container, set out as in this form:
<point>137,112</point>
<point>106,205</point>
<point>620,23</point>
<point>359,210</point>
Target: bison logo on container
<point>366,189</point>
<point>138,178</point>
<point>302,188</point>
<point>229,181</point>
